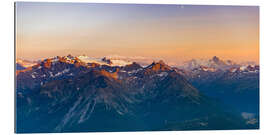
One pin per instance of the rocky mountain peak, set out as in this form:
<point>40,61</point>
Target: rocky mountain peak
<point>215,59</point>
<point>106,60</point>
<point>160,65</point>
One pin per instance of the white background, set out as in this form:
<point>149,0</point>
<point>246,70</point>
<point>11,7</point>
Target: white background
<point>7,64</point>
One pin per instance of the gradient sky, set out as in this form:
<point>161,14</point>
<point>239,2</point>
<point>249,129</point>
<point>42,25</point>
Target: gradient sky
<point>173,33</point>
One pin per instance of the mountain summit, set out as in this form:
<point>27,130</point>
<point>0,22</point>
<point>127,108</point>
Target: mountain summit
<point>66,94</point>
<point>160,65</point>
<point>214,63</point>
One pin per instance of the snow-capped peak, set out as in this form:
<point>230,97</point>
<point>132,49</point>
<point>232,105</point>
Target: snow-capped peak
<point>214,63</point>
<point>246,69</point>
<point>104,61</point>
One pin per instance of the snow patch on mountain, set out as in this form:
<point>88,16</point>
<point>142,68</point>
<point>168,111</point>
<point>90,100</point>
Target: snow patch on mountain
<point>87,59</point>
<point>61,73</point>
<point>162,74</point>
<point>212,64</point>
<point>104,61</point>
<point>143,61</point>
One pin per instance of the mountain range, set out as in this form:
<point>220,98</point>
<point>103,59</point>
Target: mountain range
<point>82,94</point>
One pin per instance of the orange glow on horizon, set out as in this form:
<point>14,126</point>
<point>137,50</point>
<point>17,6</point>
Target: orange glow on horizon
<point>175,38</point>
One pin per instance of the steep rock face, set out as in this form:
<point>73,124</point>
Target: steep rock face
<point>104,98</point>
<point>156,66</point>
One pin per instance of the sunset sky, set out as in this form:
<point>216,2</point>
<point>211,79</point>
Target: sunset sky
<point>174,33</point>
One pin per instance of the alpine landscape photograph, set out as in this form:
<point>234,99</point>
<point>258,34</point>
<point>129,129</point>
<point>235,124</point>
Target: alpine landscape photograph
<point>100,67</point>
